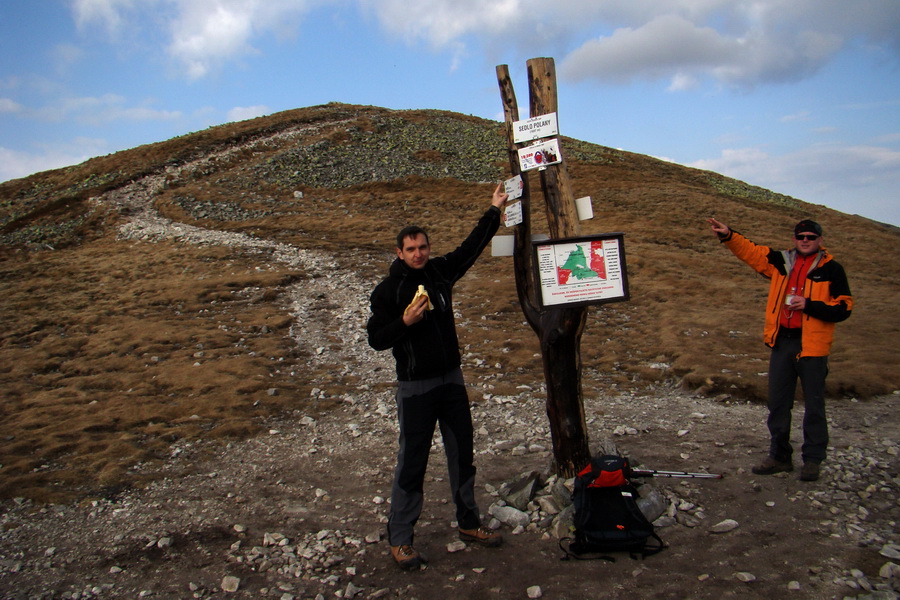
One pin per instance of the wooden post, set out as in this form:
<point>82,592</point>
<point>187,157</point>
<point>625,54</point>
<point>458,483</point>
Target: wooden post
<point>522,258</point>
<point>562,216</point>
<point>559,329</point>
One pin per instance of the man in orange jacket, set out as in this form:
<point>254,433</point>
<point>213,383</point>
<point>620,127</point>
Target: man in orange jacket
<point>808,295</point>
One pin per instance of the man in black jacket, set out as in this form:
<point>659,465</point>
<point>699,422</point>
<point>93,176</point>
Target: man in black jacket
<point>430,389</point>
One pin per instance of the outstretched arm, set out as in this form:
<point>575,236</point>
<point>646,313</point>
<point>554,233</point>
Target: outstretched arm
<point>753,254</point>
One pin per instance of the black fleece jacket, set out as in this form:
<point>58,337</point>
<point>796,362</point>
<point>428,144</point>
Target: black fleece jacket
<point>430,347</point>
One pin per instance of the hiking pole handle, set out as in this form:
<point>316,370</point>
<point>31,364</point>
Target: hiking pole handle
<point>653,473</point>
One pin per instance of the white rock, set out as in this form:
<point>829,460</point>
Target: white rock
<point>456,546</point>
<point>548,504</point>
<point>745,577</point>
<point>889,570</point>
<point>230,583</point>
<point>511,516</point>
<point>724,526</point>
<point>535,591</point>
<point>373,537</point>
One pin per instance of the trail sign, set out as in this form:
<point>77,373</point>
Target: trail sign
<point>543,126</point>
<point>540,155</point>
<point>514,186</point>
<point>513,214</point>
<point>581,271</point>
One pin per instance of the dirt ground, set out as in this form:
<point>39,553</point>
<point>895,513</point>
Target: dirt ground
<point>176,538</point>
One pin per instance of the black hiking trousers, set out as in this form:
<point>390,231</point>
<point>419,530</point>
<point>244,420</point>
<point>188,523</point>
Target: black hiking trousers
<point>421,405</point>
<point>784,369</point>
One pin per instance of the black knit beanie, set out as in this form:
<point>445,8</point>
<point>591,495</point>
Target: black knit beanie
<point>807,226</point>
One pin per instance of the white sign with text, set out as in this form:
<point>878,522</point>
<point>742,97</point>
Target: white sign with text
<point>534,128</point>
<point>539,155</point>
<point>514,187</point>
<point>514,214</point>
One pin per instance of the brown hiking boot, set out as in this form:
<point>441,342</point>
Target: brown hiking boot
<point>809,471</point>
<point>481,535</point>
<point>406,557</point>
<point>770,466</point>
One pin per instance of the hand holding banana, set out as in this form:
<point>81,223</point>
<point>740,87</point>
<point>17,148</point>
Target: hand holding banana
<point>415,312</point>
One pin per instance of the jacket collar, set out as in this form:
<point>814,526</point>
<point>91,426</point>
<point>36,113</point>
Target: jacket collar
<point>399,268</point>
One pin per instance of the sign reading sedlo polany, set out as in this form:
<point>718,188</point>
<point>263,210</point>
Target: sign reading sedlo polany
<point>536,127</point>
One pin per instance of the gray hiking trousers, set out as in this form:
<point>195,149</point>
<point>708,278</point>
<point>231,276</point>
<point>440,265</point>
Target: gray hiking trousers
<point>420,406</point>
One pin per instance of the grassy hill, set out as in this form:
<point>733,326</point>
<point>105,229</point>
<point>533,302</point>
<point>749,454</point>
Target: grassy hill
<point>113,347</point>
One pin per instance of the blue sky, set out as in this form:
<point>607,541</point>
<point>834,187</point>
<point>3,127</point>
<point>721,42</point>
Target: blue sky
<point>798,96</point>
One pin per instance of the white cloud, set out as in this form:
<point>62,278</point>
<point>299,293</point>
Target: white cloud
<point>800,116</point>
<point>115,17</point>
<point>856,179</point>
<point>66,55</point>
<point>95,110</point>
<point>9,106</point>
<point>15,163</point>
<point>683,81</point>
<point>242,113</point>
<point>888,138</point>
<point>735,42</point>
<point>676,48</point>
<point>203,34</point>
<point>666,46</point>
<point>206,35</point>
<point>739,43</point>
<point>443,22</point>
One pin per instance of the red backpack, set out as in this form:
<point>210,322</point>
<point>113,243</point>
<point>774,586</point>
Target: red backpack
<point>607,516</point>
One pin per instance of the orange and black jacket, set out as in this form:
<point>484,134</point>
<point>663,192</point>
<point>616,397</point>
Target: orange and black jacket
<point>827,293</point>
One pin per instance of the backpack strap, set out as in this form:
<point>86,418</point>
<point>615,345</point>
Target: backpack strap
<point>651,550</point>
<point>660,545</point>
<point>568,554</point>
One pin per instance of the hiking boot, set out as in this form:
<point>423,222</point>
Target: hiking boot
<point>809,471</point>
<point>481,535</point>
<point>406,557</point>
<point>770,466</point>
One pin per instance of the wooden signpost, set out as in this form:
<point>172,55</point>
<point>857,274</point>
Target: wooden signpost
<point>559,328</point>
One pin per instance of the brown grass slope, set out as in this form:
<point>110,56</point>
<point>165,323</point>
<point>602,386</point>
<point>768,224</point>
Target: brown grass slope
<point>101,336</point>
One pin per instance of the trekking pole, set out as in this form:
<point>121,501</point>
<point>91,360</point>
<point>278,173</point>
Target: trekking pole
<point>654,473</point>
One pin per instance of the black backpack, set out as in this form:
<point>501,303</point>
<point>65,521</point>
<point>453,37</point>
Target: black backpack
<point>607,516</point>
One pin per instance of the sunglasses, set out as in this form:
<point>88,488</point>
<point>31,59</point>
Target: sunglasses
<point>808,238</point>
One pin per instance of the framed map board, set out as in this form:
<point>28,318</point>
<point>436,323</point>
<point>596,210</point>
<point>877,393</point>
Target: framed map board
<point>583,270</point>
